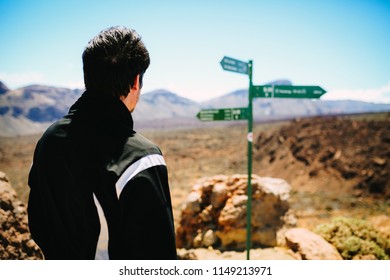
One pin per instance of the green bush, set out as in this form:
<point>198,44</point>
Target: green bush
<point>355,238</point>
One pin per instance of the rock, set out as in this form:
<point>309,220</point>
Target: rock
<point>209,238</point>
<point>272,201</point>
<point>192,204</point>
<point>234,238</point>
<point>214,213</point>
<point>234,212</point>
<point>310,246</point>
<point>379,161</point>
<point>218,195</point>
<point>364,257</point>
<point>198,240</point>
<point>276,253</point>
<point>15,238</point>
<point>186,255</point>
<point>205,215</point>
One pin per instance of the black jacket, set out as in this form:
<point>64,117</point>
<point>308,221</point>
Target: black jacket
<point>98,188</point>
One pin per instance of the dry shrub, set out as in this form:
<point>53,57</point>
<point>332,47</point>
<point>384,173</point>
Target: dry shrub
<point>356,239</point>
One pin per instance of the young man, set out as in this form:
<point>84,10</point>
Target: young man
<point>99,190</point>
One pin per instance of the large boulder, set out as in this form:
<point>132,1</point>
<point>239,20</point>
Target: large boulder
<point>214,213</point>
<point>310,246</point>
<point>15,238</point>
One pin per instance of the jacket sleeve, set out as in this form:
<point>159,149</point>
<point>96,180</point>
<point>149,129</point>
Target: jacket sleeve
<point>61,216</point>
<point>148,225</point>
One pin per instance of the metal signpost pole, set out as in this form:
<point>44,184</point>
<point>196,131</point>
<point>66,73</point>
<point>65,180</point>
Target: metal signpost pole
<point>250,140</point>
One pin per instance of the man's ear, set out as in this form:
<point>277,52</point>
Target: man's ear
<point>136,84</point>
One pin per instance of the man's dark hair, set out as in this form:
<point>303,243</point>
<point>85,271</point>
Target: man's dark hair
<point>113,59</point>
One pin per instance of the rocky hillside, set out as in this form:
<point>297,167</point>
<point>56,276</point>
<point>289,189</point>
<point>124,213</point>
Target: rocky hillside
<point>15,239</point>
<point>31,109</point>
<point>3,88</point>
<point>341,154</point>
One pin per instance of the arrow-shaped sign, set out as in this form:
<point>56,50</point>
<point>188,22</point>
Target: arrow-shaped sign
<point>274,91</point>
<point>225,114</point>
<point>234,65</point>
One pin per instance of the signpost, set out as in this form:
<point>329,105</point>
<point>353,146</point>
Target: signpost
<point>276,91</point>
<point>228,114</point>
<point>232,114</point>
<point>234,65</point>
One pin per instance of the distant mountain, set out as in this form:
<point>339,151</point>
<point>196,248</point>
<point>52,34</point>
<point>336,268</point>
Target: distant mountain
<point>32,109</point>
<point>163,104</point>
<point>164,109</point>
<point>39,103</point>
<point>3,88</point>
<point>238,98</point>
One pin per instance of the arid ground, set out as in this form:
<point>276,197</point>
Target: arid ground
<point>336,166</point>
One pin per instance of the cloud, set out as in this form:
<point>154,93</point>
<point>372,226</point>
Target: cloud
<point>15,80</point>
<point>373,95</point>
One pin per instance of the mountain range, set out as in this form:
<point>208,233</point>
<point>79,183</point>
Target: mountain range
<point>31,109</point>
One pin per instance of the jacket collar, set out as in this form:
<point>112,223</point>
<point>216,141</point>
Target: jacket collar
<point>103,112</point>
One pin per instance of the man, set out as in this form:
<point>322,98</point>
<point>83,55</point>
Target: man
<point>99,190</point>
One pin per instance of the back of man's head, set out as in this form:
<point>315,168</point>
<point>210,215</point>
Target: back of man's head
<point>112,60</point>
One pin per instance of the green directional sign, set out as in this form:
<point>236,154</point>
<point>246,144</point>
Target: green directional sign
<point>234,65</point>
<point>276,91</point>
<point>225,114</point>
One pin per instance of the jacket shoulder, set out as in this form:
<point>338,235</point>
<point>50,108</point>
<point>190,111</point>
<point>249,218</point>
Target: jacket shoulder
<point>141,143</point>
<point>136,147</point>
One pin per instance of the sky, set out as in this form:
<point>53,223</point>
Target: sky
<point>341,45</point>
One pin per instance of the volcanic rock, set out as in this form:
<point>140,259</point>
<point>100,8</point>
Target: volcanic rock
<point>310,246</point>
<point>15,238</point>
<point>329,154</point>
<point>214,213</point>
